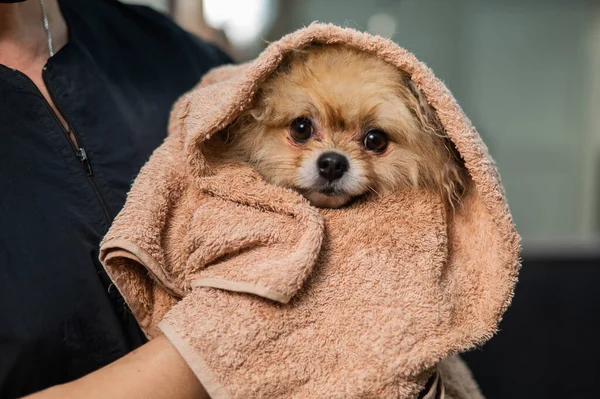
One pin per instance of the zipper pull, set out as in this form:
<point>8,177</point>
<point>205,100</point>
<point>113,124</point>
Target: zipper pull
<point>83,158</point>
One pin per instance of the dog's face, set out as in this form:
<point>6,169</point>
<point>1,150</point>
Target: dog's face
<point>334,124</point>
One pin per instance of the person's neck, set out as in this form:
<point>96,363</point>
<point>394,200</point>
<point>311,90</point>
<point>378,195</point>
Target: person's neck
<point>23,39</point>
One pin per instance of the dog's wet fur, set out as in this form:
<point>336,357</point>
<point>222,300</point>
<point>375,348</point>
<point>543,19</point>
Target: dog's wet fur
<point>336,123</point>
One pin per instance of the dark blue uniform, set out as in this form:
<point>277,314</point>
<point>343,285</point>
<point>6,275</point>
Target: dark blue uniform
<point>114,82</point>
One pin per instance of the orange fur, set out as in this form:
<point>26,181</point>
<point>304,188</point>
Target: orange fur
<point>346,93</point>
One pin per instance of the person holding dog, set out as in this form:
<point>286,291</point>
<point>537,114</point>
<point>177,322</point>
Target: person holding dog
<point>85,94</point>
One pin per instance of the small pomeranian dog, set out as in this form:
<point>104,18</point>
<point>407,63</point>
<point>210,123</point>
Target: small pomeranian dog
<point>335,123</point>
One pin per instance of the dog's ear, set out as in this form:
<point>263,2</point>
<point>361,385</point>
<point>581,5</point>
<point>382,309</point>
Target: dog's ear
<point>424,111</point>
<point>453,175</point>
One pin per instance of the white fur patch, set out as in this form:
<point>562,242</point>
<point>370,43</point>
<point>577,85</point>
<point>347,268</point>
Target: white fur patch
<point>352,183</point>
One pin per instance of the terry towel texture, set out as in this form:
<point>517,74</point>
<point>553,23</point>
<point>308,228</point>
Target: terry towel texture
<point>268,297</point>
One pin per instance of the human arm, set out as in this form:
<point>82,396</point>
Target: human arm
<point>154,371</point>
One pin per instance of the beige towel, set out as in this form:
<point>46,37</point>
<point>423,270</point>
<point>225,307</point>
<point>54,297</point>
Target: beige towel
<point>268,297</point>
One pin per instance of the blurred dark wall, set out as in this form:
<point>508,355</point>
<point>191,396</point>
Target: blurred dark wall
<point>549,341</point>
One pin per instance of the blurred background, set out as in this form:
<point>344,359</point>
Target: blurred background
<point>527,72</point>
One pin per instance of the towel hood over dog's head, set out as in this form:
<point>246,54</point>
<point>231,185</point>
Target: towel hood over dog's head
<point>266,296</point>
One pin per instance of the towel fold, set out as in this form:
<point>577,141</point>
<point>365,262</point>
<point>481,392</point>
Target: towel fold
<point>266,296</point>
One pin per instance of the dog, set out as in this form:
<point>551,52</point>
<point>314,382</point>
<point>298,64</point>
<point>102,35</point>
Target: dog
<point>335,123</point>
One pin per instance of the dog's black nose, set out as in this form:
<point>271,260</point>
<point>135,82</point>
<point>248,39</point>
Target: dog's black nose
<point>332,165</point>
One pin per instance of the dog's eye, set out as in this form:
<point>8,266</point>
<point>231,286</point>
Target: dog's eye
<point>301,129</point>
<point>376,141</point>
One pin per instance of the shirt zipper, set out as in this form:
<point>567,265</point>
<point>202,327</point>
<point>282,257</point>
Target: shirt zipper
<point>77,146</point>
